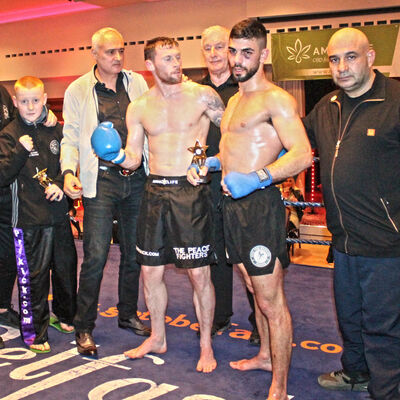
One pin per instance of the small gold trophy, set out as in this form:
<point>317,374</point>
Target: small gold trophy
<point>42,177</point>
<point>199,159</point>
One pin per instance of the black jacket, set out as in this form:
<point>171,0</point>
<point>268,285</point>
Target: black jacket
<point>7,113</point>
<point>18,166</point>
<point>361,183</point>
<point>7,110</point>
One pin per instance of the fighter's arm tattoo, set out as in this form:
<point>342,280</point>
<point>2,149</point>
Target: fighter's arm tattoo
<point>215,106</point>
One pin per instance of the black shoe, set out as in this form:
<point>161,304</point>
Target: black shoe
<point>136,325</point>
<point>10,318</point>
<point>218,327</point>
<point>85,344</point>
<point>254,338</point>
<point>2,345</point>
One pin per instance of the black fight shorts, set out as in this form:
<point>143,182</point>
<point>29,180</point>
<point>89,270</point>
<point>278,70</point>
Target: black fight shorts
<point>254,228</point>
<point>175,223</point>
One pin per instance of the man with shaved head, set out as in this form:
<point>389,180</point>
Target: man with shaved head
<point>356,130</point>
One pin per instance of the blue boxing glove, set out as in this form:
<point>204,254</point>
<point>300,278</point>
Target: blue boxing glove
<point>241,185</point>
<point>213,164</point>
<point>106,143</point>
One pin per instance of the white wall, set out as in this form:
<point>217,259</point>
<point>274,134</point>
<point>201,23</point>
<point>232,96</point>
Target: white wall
<point>270,8</point>
<point>137,22</point>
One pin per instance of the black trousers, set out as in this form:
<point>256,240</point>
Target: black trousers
<point>51,248</point>
<point>367,298</point>
<point>221,272</point>
<point>120,197</point>
<point>8,269</point>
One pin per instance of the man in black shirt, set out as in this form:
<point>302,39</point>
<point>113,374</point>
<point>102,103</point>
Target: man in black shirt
<point>356,130</point>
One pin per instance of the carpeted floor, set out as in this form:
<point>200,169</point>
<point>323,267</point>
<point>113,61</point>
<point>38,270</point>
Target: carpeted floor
<point>63,374</point>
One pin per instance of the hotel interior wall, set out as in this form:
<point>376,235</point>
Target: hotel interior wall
<point>183,19</point>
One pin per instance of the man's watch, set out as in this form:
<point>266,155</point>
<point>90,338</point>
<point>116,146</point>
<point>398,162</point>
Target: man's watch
<point>68,171</point>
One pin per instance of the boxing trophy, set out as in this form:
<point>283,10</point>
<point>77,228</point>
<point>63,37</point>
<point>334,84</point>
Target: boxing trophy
<point>198,160</point>
<point>42,177</point>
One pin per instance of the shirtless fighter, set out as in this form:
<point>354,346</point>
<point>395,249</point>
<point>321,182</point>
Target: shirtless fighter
<point>174,224</point>
<point>260,120</point>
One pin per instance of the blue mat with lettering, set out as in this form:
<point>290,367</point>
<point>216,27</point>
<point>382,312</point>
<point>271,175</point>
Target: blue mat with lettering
<point>64,374</point>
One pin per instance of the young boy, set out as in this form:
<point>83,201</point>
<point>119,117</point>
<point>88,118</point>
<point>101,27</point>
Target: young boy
<point>29,160</point>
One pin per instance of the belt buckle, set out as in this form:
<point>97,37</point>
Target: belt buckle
<point>126,172</point>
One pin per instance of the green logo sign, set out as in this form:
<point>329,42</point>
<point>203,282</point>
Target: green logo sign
<point>302,55</point>
<point>298,53</point>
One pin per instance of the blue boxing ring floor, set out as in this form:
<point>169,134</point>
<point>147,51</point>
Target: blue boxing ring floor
<point>63,374</point>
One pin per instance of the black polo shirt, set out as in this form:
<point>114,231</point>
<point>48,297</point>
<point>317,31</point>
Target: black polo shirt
<point>113,106</point>
<point>226,91</point>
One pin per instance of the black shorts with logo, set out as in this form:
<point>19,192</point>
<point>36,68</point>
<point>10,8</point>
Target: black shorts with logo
<point>254,228</point>
<point>175,223</point>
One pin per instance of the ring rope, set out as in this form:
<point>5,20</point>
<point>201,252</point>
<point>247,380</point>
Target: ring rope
<point>302,204</point>
<point>307,241</point>
<point>305,204</point>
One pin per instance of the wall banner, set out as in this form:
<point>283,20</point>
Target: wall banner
<point>302,55</point>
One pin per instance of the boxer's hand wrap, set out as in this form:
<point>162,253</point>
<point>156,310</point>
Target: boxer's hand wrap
<point>195,166</point>
<point>120,158</point>
<point>241,185</point>
<point>213,164</point>
<point>264,176</point>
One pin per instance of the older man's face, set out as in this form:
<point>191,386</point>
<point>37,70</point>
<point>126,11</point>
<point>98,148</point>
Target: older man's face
<point>215,51</point>
<point>109,54</point>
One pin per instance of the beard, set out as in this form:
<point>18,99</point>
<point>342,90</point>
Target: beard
<point>170,79</point>
<point>249,73</point>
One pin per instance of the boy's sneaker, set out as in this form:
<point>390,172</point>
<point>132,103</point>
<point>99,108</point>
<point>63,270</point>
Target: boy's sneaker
<point>338,380</point>
<point>10,318</point>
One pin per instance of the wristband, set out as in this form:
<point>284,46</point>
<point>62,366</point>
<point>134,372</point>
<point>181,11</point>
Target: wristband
<point>264,176</point>
<point>120,157</point>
